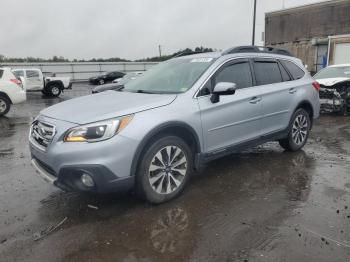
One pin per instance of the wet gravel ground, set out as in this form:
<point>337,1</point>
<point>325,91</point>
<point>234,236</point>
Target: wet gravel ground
<point>261,205</point>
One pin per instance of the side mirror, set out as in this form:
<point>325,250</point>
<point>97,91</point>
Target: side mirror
<point>221,89</point>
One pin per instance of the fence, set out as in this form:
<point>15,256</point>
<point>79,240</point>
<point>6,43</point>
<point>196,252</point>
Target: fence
<point>81,71</point>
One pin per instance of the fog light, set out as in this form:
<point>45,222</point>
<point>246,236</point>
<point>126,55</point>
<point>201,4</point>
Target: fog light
<point>87,180</point>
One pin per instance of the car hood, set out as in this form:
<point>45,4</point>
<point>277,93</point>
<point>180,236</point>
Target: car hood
<point>332,81</point>
<point>105,105</point>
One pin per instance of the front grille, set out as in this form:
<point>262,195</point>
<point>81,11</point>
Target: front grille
<point>41,134</point>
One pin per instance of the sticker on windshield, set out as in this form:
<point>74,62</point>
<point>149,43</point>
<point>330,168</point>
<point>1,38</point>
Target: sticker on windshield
<point>201,60</point>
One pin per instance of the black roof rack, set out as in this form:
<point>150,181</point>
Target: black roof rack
<point>256,49</point>
<point>185,53</point>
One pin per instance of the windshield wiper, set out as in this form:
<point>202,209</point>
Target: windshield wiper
<point>145,92</point>
<point>141,91</point>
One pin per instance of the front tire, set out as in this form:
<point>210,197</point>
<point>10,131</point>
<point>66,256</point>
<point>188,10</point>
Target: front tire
<point>164,170</point>
<point>299,130</point>
<point>5,105</point>
<point>101,82</point>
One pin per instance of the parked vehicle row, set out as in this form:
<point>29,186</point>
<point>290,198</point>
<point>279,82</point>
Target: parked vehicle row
<point>117,83</point>
<point>11,91</point>
<point>155,130</point>
<point>49,85</point>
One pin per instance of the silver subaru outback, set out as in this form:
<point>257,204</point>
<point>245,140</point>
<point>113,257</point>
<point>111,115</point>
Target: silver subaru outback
<point>151,134</point>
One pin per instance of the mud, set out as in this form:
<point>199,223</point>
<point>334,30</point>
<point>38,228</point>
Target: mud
<point>260,205</point>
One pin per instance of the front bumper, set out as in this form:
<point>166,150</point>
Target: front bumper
<point>69,178</point>
<point>93,81</point>
<point>47,176</point>
<point>331,105</point>
<point>108,162</point>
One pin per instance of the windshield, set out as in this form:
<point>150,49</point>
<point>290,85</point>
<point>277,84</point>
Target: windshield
<point>128,77</point>
<point>332,72</point>
<point>173,76</point>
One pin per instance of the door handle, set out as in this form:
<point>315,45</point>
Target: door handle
<point>292,90</point>
<point>255,100</point>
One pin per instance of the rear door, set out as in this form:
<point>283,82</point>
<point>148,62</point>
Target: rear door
<point>277,92</point>
<point>34,80</point>
<point>235,118</point>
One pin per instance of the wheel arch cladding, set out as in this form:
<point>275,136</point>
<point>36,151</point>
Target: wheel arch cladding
<point>306,105</point>
<point>179,129</point>
<point>6,96</point>
<point>55,82</point>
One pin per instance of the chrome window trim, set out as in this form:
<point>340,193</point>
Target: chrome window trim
<point>214,71</point>
<point>244,57</point>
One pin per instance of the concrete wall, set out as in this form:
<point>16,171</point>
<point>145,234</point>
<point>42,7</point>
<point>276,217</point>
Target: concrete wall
<point>81,71</point>
<point>303,50</point>
<point>301,30</point>
<point>312,21</point>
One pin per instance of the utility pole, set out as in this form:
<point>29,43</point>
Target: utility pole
<point>160,50</point>
<point>254,18</point>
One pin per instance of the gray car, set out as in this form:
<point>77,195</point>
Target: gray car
<point>173,119</point>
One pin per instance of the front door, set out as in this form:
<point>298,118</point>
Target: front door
<point>235,118</point>
<point>34,80</point>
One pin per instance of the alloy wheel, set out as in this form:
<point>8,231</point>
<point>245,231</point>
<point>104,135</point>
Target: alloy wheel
<point>3,106</point>
<point>55,90</point>
<point>167,169</point>
<point>300,129</point>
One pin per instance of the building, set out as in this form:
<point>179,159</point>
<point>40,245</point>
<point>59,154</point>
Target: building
<point>319,34</point>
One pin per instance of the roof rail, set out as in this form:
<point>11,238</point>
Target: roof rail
<point>185,53</point>
<point>256,49</point>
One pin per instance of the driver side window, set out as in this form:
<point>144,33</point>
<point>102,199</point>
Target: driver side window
<point>238,73</point>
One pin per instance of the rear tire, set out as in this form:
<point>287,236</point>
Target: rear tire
<point>299,130</point>
<point>164,170</point>
<point>5,105</point>
<point>53,90</point>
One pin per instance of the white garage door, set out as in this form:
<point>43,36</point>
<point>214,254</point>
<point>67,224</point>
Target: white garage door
<point>342,53</point>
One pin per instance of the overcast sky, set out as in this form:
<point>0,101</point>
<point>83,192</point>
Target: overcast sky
<point>128,29</point>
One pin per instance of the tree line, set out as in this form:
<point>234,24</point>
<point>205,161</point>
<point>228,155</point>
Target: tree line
<point>4,59</point>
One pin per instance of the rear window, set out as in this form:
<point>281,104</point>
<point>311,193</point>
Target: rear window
<point>1,73</point>
<point>285,74</point>
<point>18,73</point>
<point>267,72</point>
<point>293,69</point>
<point>32,74</point>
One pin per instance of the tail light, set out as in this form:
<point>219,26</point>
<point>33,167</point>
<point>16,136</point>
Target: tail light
<point>316,85</point>
<point>17,82</point>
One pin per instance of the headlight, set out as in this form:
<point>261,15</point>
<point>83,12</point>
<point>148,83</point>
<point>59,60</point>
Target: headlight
<point>97,131</point>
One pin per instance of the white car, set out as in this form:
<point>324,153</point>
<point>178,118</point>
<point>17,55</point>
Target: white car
<point>335,88</point>
<point>36,81</point>
<point>11,90</point>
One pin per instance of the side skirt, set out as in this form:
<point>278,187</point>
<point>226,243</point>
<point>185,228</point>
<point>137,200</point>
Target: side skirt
<point>203,158</point>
